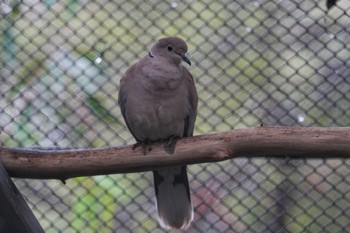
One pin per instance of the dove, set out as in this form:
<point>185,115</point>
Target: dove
<point>158,100</point>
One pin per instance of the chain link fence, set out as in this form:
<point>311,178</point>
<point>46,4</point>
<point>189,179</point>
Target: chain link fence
<point>277,63</point>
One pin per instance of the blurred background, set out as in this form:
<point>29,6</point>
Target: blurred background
<point>277,63</point>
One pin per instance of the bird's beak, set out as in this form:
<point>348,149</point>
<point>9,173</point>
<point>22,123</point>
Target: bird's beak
<point>185,59</point>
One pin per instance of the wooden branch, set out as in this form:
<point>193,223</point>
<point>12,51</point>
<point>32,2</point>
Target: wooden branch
<point>252,142</point>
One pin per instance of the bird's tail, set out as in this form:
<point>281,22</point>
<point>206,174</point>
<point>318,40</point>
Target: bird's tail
<point>173,197</point>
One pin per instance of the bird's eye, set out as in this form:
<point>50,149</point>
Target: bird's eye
<point>169,48</point>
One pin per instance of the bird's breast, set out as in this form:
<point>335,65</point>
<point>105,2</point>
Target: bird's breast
<point>157,117</point>
<point>157,77</point>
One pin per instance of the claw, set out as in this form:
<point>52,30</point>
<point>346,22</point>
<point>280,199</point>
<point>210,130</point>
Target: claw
<point>144,147</point>
<point>136,145</point>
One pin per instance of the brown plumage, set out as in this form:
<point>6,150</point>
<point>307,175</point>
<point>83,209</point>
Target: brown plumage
<point>158,100</point>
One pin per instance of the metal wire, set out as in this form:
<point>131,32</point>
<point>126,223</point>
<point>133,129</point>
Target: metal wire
<point>255,62</point>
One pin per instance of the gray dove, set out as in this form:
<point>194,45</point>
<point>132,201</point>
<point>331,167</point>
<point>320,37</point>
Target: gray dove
<point>158,100</point>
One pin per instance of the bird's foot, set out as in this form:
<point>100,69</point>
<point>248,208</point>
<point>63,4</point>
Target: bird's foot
<point>137,144</point>
<point>145,147</point>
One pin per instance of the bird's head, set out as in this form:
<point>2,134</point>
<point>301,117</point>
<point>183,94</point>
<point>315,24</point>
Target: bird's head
<point>173,49</point>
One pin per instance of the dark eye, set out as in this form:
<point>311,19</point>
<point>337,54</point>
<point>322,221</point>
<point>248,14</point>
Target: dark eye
<point>169,48</point>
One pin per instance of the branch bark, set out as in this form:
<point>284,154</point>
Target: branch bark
<point>252,142</point>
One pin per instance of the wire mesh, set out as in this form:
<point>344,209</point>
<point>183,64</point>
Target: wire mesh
<point>255,62</point>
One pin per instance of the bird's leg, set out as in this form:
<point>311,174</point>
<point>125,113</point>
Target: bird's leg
<point>169,145</point>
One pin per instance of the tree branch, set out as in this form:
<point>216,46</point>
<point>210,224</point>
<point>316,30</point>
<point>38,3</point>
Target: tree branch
<point>252,142</point>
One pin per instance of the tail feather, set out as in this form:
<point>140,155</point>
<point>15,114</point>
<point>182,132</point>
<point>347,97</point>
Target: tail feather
<point>173,197</point>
